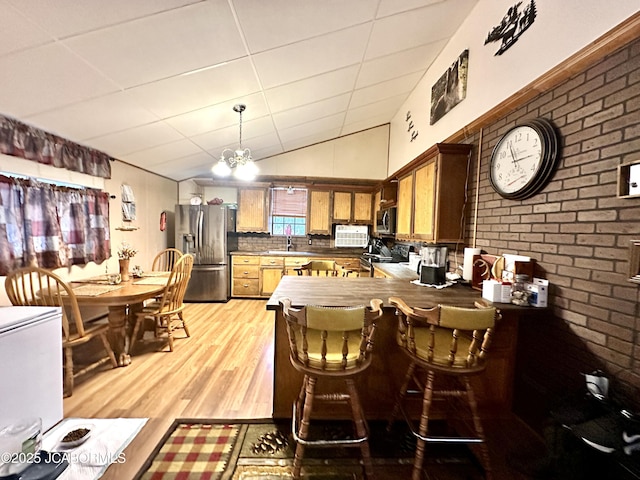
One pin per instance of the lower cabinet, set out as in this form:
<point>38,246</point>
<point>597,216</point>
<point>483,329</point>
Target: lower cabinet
<point>271,271</point>
<point>258,275</point>
<point>245,276</point>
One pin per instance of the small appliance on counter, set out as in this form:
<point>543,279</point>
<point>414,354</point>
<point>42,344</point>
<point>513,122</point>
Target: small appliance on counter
<point>432,267</point>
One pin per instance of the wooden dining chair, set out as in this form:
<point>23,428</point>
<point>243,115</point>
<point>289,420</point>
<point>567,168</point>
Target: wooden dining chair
<point>321,268</point>
<point>443,343</point>
<point>167,312</point>
<point>166,259</point>
<point>39,287</point>
<point>330,343</point>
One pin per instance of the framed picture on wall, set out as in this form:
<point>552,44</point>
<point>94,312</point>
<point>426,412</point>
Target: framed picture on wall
<point>450,89</point>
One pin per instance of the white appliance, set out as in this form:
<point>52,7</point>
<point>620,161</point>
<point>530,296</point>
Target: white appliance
<point>351,236</point>
<point>31,364</point>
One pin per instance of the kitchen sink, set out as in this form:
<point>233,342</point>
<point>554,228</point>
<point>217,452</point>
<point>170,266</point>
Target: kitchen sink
<point>285,252</point>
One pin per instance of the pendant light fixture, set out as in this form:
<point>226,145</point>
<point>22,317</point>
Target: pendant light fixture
<point>240,159</point>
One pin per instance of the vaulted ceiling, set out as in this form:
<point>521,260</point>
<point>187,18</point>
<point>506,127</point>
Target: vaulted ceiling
<point>153,82</point>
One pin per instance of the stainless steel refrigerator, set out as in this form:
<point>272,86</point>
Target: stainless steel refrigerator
<point>207,232</point>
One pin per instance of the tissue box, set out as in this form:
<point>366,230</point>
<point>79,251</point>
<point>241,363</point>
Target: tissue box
<point>495,291</point>
<point>539,292</point>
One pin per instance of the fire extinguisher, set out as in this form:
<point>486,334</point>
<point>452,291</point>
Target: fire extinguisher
<point>163,221</point>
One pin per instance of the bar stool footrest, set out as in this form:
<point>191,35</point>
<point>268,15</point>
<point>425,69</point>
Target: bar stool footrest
<point>347,442</point>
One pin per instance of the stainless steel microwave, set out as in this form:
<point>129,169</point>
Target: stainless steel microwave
<point>386,221</point>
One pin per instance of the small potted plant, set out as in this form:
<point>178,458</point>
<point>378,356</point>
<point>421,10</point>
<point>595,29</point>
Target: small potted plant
<point>125,252</point>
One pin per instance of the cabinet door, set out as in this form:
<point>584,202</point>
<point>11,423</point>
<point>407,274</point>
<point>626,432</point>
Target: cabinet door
<point>423,200</point>
<point>405,206</point>
<point>362,208</point>
<point>341,207</point>
<point>253,208</point>
<point>270,277</point>
<point>319,212</point>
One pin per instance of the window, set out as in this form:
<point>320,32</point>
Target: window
<point>289,211</point>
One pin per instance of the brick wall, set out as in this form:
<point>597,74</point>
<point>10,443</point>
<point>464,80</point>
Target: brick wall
<point>578,231</point>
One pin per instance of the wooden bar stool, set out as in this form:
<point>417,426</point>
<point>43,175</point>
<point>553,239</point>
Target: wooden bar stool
<point>451,343</point>
<point>330,342</point>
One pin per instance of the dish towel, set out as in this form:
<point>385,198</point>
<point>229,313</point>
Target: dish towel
<point>108,437</point>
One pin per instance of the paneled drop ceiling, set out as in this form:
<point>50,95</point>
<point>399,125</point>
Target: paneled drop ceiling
<point>153,82</point>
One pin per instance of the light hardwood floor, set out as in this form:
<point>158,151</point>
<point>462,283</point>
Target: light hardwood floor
<point>223,371</point>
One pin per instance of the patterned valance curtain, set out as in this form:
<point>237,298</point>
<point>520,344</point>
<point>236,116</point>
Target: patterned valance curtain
<point>51,226</point>
<point>24,141</point>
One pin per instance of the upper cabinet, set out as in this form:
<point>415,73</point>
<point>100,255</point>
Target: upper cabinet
<point>431,195</point>
<point>362,208</point>
<point>253,210</point>
<point>319,212</point>
<point>342,203</point>
<point>352,207</point>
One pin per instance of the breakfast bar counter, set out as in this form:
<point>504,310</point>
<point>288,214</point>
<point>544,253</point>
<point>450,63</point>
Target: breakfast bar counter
<point>380,382</point>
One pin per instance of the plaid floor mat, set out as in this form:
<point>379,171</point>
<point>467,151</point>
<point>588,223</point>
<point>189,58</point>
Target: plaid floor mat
<point>194,451</point>
<point>264,450</point>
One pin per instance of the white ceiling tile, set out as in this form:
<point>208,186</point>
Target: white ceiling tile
<point>153,82</point>
<point>162,45</point>
<point>162,153</point>
<point>47,77</point>
<point>308,129</point>
<point>307,113</point>
<point>136,139</point>
<point>290,22</point>
<point>18,32</point>
<point>369,122</point>
<point>95,117</point>
<point>391,7</point>
<point>63,18</point>
<point>186,93</point>
<point>417,27</point>
<point>388,106</point>
<point>229,137</point>
<point>312,57</point>
<point>416,59</point>
<point>311,90</point>
<point>380,91</point>
<point>220,115</point>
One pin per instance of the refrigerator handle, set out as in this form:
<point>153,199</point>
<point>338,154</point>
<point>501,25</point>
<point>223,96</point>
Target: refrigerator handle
<point>199,232</point>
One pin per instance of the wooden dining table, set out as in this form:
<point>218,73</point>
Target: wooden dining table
<point>122,301</point>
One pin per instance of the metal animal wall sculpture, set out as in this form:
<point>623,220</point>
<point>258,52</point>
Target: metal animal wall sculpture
<point>512,26</point>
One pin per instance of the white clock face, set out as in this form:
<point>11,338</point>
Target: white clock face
<point>516,160</point>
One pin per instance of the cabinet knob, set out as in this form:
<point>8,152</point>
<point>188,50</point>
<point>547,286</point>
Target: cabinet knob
<point>246,273</point>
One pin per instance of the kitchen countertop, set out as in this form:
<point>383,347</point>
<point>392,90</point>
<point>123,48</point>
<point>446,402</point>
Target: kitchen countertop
<point>334,253</point>
<point>396,270</point>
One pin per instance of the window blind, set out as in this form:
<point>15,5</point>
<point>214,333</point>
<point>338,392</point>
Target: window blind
<point>289,202</point>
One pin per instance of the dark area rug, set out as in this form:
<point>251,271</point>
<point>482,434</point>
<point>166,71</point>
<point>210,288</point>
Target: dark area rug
<point>229,450</point>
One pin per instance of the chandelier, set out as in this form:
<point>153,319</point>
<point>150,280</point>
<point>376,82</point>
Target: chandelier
<point>240,159</point>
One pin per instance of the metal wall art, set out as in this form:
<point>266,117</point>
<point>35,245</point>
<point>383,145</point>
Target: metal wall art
<point>450,89</point>
<point>411,128</point>
<point>513,24</point>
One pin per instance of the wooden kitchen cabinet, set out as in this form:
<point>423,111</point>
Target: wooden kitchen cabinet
<point>291,263</point>
<point>245,272</point>
<point>342,207</point>
<point>362,208</point>
<point>404,210</point>
<point>352,207</point>
<point>431,195</point>
<point>319,212</point>
<point>253,210</point>
<point>271,271</point>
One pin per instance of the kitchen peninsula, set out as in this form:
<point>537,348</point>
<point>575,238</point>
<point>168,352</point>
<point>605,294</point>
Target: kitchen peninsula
<point>379,384</point>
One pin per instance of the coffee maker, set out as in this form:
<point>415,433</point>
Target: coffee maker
<point>433,265</point>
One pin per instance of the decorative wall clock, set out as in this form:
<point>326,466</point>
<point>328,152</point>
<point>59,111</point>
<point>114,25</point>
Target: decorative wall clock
<point>524,159</point>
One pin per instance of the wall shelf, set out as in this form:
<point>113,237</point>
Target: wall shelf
<point>634,262</point>
<point>629,180</point>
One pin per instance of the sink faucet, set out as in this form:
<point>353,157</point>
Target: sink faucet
<point>289,245</point>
